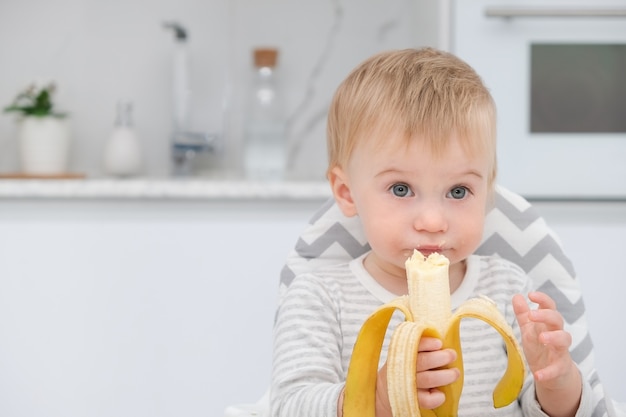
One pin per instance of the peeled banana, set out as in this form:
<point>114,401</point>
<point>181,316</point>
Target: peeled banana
<point>428,313</point>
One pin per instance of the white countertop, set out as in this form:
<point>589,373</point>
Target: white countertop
<point>192,188</point>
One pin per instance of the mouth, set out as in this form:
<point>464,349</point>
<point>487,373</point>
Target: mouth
<point>428,249</point>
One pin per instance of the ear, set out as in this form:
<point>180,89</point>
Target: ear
<point>340,187</point>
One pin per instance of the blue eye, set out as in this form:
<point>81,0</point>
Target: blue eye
<point>401,190</point>
<point>458,193</point>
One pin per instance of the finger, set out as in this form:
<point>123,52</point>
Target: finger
<point>542,299</point>
<point>430,398</point>
<point>558,339</point>
<point>551,318</point>
<point>521,309</point>
<point>553,371</point>
<point>436,359</point>
<point>429,344</point>
<point>438,378</point>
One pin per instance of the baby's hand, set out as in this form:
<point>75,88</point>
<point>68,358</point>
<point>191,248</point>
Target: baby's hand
<point>429,377</point>
<point>546,344</point>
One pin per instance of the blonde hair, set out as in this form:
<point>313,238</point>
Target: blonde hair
<point>424,92</point>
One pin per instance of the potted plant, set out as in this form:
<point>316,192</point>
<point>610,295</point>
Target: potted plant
<point>43,133</point>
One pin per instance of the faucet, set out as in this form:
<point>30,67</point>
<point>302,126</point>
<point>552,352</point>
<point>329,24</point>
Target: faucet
<point>186,144</point>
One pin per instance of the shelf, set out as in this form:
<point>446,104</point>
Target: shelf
<point>200,189</point>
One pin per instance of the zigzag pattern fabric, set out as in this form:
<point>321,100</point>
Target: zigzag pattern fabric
<point>514,230</point>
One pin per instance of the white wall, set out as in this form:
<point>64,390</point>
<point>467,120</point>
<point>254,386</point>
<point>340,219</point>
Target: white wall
<point>99,52</point>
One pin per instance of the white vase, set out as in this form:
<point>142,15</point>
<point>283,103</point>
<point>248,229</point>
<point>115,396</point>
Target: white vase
<point>44,145</point>
<point>122,153</point>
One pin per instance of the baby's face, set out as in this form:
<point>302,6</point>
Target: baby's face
<point>408,198</point>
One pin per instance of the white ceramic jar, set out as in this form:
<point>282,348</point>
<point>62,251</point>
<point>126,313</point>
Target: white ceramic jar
<point>44,144</point>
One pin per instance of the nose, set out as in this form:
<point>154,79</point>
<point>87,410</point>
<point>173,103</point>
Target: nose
<point>430,217</point>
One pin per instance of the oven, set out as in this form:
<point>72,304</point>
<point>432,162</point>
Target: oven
<point>557,71</point>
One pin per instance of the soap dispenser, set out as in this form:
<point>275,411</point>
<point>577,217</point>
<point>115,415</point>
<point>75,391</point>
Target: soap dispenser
<point>122,151</point>
<point>181,92</point>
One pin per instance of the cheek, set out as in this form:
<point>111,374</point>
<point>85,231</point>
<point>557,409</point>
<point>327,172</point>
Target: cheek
<point>382,229</point>
<point>377,229</point>
<point>472,230</point>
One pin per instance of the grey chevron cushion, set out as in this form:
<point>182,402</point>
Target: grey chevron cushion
<point>513,230</point>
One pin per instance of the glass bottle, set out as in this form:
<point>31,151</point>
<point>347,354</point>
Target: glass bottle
<point>122,151</point>
<point>265,147</point>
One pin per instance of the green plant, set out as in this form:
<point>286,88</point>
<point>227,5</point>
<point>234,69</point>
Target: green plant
<point>35,100</point>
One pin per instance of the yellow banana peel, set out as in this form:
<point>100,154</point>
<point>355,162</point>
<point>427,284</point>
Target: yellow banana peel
<point>427,312</point>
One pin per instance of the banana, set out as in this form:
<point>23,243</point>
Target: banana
<point>427,312</point>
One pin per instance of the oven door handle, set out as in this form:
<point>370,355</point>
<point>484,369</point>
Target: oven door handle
<point>515,12</point>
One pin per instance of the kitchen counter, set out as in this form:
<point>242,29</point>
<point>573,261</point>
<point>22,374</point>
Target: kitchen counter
<point>175,189</point>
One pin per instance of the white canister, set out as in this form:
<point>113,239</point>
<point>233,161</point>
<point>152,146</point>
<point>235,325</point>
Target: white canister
<point>44,144</point>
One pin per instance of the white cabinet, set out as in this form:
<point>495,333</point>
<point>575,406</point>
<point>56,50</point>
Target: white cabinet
<point>139,308</point>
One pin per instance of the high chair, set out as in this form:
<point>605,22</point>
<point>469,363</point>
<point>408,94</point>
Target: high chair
<point>513,230</point>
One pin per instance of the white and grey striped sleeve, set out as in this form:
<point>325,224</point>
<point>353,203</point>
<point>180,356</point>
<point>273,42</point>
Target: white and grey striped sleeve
<point>307,375</point>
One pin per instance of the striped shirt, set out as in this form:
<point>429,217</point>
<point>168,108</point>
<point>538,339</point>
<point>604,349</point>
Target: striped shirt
<point>321,313</point>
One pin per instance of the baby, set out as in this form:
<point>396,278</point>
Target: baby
<point>412,153</point>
